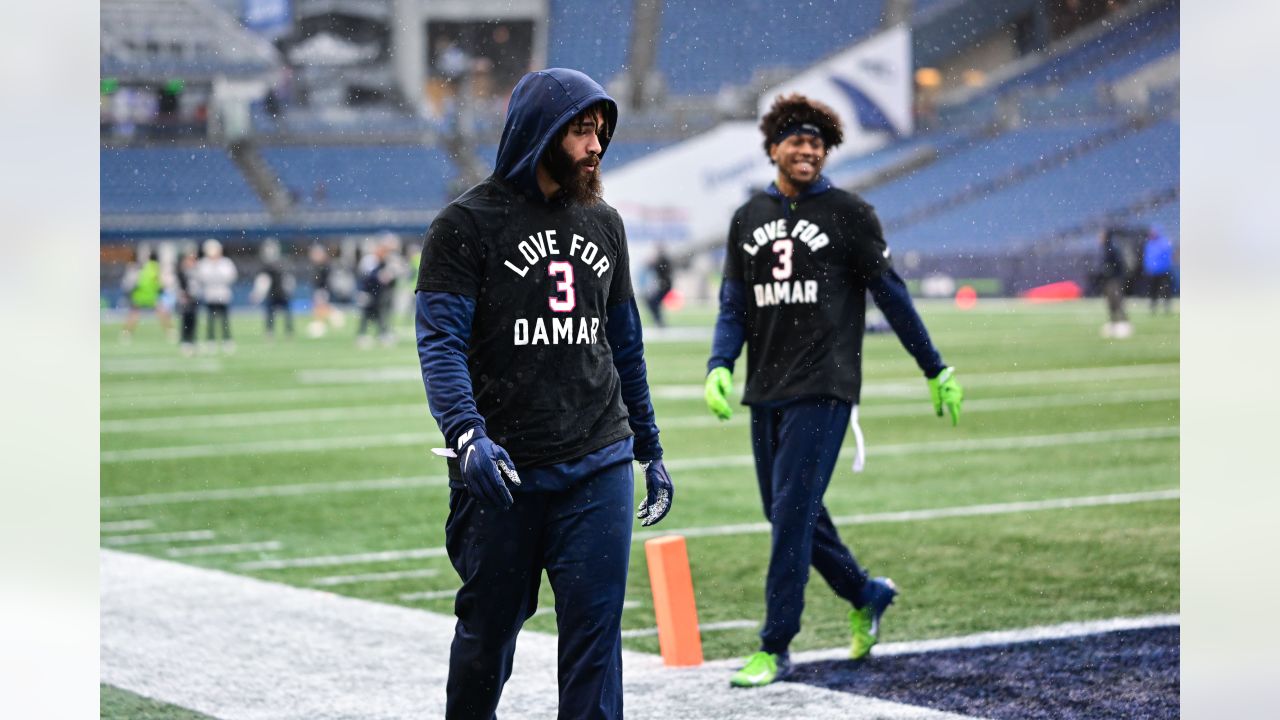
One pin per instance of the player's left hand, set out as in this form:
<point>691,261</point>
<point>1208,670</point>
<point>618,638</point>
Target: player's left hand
<point>946,393</point>
<point>660,491</point>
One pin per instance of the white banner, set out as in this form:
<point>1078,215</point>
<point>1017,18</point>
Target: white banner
<point>688,192</point>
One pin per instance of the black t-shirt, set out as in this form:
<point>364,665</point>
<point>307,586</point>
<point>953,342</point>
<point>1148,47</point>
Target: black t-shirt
<point>805,273</point>
<point>543,276</point>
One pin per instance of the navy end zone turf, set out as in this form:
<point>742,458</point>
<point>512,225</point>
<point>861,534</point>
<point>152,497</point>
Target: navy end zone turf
<point>1123,674</point>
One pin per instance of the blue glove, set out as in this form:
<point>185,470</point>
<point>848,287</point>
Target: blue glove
<point>484,467</point>
<point>660,491</point>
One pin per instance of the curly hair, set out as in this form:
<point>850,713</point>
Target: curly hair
<point>795,109</point>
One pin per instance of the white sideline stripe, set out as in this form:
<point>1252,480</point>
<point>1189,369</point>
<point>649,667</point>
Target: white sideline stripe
<point>355,559</point>
<point>878,387</point>
<point>358,375</point>
<point>388,412</point>
<point>931,514</point>
<point>269,545</point>
<point>996,638</point>
<point>261,491</point>
<point>264,447</point>
<point>123,399</point>
<point>264,418</point>
<point>140,366</point>
<point>163,537</point>
<point>125,525</point>
<point>921,407</point>
<point>702,627</point>
<point>750,528</point>
<point>898,387</point>
<point>1016,442</point>
<point>428,595</point>
<point>238,648</point>
<point>332,580</point>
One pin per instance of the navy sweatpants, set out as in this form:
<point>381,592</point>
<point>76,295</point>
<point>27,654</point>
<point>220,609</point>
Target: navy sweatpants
<point>581,535</point>
<point>796,447</point>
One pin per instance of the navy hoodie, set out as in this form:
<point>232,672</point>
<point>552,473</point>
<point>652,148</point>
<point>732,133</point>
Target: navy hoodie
<point>527,325</point>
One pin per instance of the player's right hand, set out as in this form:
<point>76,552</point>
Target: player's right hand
<point>486,468</point>
<point>945,392</point>
<point>719,385</point>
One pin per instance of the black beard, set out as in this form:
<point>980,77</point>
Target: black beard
<point>575,186</point>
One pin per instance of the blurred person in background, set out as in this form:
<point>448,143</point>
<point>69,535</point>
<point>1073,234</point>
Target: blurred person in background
<point>1120,263</point>
<point>323,313</point>
<point>273,287</point>
<point>800,258</point>
<point>660,279</point>
<point>215,276</point>
<point>188,294</point>
<point>376,275</point>
<point>1157,265</point>
<point>143,284</point>
<point>533,359</point>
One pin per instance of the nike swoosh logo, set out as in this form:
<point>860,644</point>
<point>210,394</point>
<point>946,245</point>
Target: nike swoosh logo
<point>467,458</point>
<point>758,676</point>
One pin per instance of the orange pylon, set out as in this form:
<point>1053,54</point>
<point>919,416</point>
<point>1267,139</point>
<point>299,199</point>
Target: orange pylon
<point>673,602</point>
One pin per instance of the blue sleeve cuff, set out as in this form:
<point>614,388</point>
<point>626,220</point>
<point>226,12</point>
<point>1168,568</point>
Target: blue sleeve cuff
<point>731,326</point>
<point>891,296</point>
<point>623,330</point>
<point>444,330</point>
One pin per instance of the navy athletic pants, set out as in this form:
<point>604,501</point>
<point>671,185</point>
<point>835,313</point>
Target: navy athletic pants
<point>796,446</point>
<point>581,536</point>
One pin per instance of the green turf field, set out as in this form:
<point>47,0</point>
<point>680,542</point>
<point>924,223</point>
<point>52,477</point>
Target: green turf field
<point>284,460</point>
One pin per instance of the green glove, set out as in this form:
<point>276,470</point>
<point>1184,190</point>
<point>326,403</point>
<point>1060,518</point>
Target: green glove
<point>946,392</point>
<point>719,385</point>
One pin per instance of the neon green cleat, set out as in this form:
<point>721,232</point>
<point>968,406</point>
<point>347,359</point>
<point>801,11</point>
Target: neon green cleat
<point>760,670</point>
<point>864,623</point>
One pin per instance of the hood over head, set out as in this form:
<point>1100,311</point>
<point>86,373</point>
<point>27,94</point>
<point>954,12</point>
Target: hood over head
<point>541,104</point>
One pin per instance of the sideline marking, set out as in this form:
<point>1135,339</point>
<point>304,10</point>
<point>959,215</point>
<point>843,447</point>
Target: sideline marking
<point>753,528</point>
<point>233,549</point>
<point>332,580</point>
<point>266,447</point>
<point>702,627</point>
<point>260,491</point>
<point>349,413</point>
<point>161,537</point>
<point>125,525</point>
<point>236,647</point>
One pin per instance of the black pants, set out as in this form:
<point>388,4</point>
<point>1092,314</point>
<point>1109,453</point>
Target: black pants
<point>1160,287</point>
<point>582,537</point>
<point>282,307</point>
<point>215,310</point>
<point>187,318</point>
<point>373,313</point>
<point>796,447</point>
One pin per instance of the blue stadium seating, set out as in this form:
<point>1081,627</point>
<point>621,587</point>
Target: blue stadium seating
<point>706,45</point>
<point>363,177</point>
<point>1114,176</point>
<point>173,180</point>
<point>976,162</point>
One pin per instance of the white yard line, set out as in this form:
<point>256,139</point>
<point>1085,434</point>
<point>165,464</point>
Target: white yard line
<point>125,526</point>
<point>162,537</point>
<point>351,413</point>
<point>265,418</point>
<point>116,398</point>
<point>428,595</point>
<point>702,627</point>
<point>333,580</point>
<point>233,549</point>
<point>237,648</point>
<point>261,491</point>
<point>752,528</point>
<point>268,447</point>
<point>150,366</point>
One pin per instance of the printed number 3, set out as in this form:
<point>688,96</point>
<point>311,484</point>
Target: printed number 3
<point>564,285</point>
<point>783,270</point>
